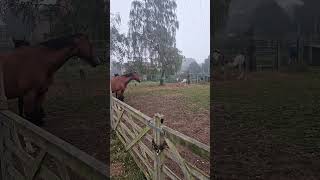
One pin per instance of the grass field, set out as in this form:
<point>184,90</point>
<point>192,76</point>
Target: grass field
<point>180,106</point>
<point>269,126</point>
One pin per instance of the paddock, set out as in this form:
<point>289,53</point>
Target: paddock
<point>184,110</point>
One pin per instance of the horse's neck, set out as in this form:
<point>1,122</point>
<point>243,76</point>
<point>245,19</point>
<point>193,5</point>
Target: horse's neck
<point>59,58</point>
<point>127,80</point>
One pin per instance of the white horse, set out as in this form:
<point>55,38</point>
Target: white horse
<point>238,61</point>
<point>183,82</point>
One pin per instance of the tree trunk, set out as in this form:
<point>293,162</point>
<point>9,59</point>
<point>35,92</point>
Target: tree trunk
<point>162,78</point>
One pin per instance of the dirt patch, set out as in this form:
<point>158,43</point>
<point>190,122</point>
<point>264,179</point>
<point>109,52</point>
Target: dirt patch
<point>177,115</point>
<point>251,154</point>
<point>264,129</point>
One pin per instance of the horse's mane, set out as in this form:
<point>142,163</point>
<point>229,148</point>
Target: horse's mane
<point>128,75</point>
<point>61,42</point>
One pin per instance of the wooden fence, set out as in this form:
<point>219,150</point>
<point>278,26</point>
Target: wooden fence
<point>199,77</point>
<point>268,54</point>
<point>159,151</point>
<point>29,152</point>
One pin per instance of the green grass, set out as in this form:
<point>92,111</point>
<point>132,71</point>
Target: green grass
<point>286,107</point>
<point>195,96</point>
<point>118,154</point>
<point>199,96</point>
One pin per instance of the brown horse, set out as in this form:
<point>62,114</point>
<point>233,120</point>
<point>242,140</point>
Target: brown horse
<point>119,83</point>
<point>18,44</point>
<point>28,71</point>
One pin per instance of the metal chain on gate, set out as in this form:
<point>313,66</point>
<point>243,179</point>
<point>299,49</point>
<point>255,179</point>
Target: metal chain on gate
<point>159,148</point>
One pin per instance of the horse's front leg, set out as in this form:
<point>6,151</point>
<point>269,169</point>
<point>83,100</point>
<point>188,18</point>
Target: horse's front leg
<point>29,105</point>
<point>121,97</point>
<point>33,107</point>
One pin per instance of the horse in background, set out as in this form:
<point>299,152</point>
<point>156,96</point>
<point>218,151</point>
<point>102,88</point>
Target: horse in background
<point>224,66</point>
<point>119,83</point>
<point>238,62</point>
<point>28,71</point>
<point>183,82</point>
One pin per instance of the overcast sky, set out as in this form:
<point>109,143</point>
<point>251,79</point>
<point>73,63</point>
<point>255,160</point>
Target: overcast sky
<point>193,36</point>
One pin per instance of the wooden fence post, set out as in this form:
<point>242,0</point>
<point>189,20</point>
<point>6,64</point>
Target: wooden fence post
<point>279,55</point>
<point>158,140</point>
<point>310,50</point>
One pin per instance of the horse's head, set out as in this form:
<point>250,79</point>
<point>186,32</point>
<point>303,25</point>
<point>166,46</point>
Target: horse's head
<point>135,76</point>
<point>85,50</point>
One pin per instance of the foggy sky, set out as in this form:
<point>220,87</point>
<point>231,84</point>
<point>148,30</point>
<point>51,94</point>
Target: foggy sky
<point>193,35</point>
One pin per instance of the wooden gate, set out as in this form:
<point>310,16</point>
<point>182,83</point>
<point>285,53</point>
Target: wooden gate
<point>159,151</point>
<point>51,157</point>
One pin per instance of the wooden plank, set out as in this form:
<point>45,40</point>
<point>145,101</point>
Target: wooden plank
<point>27,159</point>
<point>15,173</point>
<point>193,169</point>
<point>140,116</point>
<point>159,157</point>
<point>169,173</point>
<point>137,127</point>
<point>15,137</point>
<point>126,139</point>
<point>181,161</point>
<point>8,159</point>
<point>118,119</point>
<point>5,136</point>
<point>141,134</point>
<point>128,118</point>
<point>123,130</point>
<point>139,163</point>
<point>63,171</point>
<point>196,172</point>
<point>73,157</point>
<point>194,145</point>
<point>147,150</point>
<point>36,165</point>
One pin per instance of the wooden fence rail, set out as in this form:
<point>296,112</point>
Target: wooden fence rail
<point>159,151</point>
<point>51,157</point>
